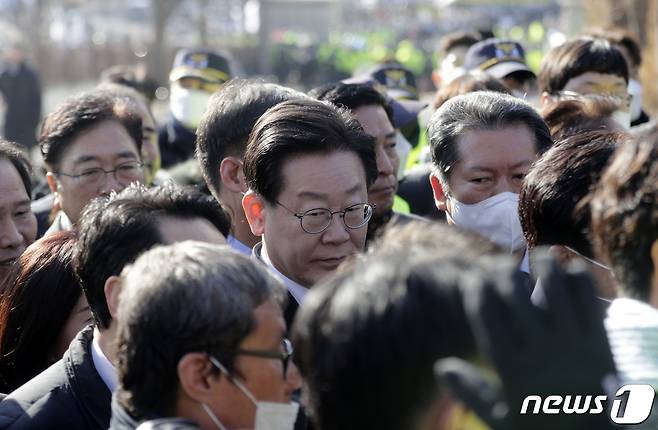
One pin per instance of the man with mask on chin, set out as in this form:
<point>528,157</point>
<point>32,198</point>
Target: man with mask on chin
<point>195,75</point>
<point>202,343</point>
<point>482,146</point>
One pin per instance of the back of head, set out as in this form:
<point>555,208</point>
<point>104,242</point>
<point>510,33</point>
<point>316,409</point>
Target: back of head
<point>373,333</point>
<point>230,116</point>
<point>625,216</point>
<point>557,182</point>
<point>456,39</point>
<point>469,83</point>
<point>576,113</point>
<point>114,230</point>
<point>36,299</point>
<point>353,96</point>
<point>436,239</point>
<point>621,38</point>
<point>79,114</point>
<point>482,110</point>
<point>203,300</point>
<point>302,127</point>
<point>132,77</point>
<point>576,57</point>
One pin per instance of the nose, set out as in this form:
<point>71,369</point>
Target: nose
<point>384,163</point>
<point>10,236</point>
<point>336,233</point>
<point>110,184</point>
<point>506,184</point>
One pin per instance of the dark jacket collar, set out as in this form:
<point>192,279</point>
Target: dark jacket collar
<point>89,390</point>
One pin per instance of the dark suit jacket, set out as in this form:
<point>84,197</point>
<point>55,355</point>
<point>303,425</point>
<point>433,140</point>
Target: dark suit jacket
<point>70,394</point>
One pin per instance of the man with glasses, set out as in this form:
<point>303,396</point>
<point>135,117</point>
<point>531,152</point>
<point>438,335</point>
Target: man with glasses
<point>308,166</point>
<point>90,148</point>
<point>215,331</point>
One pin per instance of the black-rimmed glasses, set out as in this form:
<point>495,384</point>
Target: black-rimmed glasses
<point>314,221</point>
<point>283,355</point>
<point>124,173</point>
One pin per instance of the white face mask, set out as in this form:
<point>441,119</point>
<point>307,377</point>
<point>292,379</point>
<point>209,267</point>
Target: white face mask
<point>623,118</point>
<point>635,90</point>
<point>188,105</point>
<point>495,218</point>
<point>269,415</point>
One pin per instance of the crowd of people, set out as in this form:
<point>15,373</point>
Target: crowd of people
<point>347,258</point>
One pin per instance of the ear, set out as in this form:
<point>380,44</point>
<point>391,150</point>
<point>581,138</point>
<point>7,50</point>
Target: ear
<point>254,209</point>
<point>196,377</point>
<point>546,99</point>
<point>439,194</point>
<point>52,181</point>
<point>112,290</point>
<point>230,173</point>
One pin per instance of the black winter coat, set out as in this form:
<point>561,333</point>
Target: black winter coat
<point>70,394</point>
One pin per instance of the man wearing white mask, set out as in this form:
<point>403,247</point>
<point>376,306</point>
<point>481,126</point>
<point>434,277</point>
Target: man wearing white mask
<point>202,347</point>
<point>195,75</point>
<point>482,146</point>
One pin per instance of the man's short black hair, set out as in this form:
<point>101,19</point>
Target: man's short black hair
<point>482,110</point>
<point>302,127</point>
<point>549,200</point>
<point>576,57</point>
<point>353,96</point>
<point>230,116</point>
<point>202,300</point>
<point>456,39</point>
<point>625,216</point>
<point>11,152</point>
<point>79,114</point>
<point>114,230</point>
<point>621,38</point>
<point>373,333</point>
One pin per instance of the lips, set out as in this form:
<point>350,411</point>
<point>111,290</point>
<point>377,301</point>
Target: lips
<point>330,262</point>
<point>390,189</point>
<point>8,261</point>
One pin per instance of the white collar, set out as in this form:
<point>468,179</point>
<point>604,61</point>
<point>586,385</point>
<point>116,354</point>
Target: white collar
<point>525,262</point>
<point>236,245</point>
<point>104,367</point>
<point>296,290</point>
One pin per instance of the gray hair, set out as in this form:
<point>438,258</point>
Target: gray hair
<point>481,110</point>
<point>181,298</point>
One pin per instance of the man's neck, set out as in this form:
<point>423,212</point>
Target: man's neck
<point>241,230</point>
<point>105,339</point>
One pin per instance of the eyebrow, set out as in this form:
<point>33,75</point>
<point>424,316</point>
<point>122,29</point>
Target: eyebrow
<point>87,158</point>
<point>320,196</point>
<point>390,135</point>
<point>513,166</point>
<point>25,201</point>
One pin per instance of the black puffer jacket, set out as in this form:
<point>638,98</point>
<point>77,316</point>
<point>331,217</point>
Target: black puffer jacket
<point>70,394</point>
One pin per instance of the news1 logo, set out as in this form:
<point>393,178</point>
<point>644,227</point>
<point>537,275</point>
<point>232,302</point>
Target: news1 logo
<point>632,404</point>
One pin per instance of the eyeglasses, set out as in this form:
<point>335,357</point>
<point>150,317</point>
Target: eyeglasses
<point>283,355</point>
<point>314,221</point>
<point>623,100</point>
<point>124,173</point>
